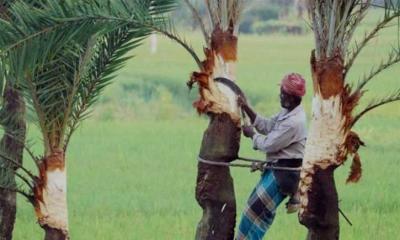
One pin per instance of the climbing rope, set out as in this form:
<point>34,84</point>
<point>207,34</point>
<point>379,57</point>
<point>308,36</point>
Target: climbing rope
<point>256,165</point>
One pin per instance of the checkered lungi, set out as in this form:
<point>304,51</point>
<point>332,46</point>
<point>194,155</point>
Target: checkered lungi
<point>259,212</point>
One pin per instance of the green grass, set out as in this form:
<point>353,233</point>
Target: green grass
<point>135,180</point>
<point>133,176</point>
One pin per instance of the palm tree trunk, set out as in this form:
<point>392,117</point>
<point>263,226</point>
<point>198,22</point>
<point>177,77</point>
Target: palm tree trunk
<point>214,188</point>
<point>12,145</point>
<point>324,150</point>
<point>54,234</point>
<point>322,219</point>
<point>51,197</point>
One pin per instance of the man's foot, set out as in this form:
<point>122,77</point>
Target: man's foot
<point>293,205</point>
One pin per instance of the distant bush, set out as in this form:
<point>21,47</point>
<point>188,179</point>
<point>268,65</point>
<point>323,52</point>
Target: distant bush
<point>145,98</point>
<point>256,14</point>
<point>278,26</point>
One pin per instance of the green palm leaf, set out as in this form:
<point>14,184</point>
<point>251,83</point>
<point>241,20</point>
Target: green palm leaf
<point>62,54</point>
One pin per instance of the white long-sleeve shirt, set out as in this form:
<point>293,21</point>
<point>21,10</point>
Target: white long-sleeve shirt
<point>282,136</point>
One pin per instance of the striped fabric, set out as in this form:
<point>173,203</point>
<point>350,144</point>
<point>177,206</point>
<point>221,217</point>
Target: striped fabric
<point>259,212</point>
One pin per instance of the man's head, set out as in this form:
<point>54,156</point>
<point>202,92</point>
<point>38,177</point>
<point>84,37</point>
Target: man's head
<point>293,88</point>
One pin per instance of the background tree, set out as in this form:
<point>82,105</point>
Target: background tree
<point>12,118</point>
<point>331,138</point>
<point>300,7</point>
<point>258,16</point>
<point>62,55</point>
<point>286,5</point>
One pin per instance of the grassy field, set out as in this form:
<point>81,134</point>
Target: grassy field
<point>132,167</point>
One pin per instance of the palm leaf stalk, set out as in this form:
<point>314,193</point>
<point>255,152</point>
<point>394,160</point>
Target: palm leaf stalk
<point>75,49</point>
<point>331,139</point>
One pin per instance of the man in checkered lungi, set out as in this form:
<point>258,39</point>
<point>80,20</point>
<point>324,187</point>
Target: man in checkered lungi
<point>282,137</point>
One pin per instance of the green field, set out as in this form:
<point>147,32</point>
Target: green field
<point>132,166</point>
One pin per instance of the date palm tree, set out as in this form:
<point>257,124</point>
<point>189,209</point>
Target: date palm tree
<point>218,99</point>
<point>62,55</point>
<point>331,137</point>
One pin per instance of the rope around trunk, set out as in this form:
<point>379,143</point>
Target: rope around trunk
<point>260,166</point>
<point>256,165</point>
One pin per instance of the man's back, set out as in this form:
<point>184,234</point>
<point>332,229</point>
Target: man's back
<point>286,134</point>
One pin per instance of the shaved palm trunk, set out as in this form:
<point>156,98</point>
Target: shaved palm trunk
<point>214,189</point>
<point>331,139</point>
<point>51,197</point>
<point>12,145</point>
<point>328,143</point>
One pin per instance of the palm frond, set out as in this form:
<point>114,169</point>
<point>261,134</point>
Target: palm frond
<point>29,39</point>
<point>12,179</point>
<point>15,164</point>
<point>333,23</point>
<point>395,96</point>
<point>58,54</point>
<point>10,174</point>
<point>28,195</point>
<point>196,15</point>
<point>382,24</point>
<point>108,58</point>
<point>225,13</point>
<point>167,29</point>
<point>393,58</point>
<point>59,22</point>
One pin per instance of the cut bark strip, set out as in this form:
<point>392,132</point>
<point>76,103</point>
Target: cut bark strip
<point>352,144</point>
<point>356,170</point>
<point>214,188</point>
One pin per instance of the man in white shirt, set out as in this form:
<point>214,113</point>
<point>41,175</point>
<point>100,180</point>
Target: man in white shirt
<point>282,137</point>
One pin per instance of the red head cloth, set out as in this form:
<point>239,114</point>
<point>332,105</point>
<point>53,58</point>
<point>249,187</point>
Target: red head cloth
<point>294,84</point>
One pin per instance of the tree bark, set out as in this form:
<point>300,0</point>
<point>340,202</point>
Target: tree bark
<point>54,234</point>
<point>214,189</point>
<point>8,211</point>
<point>322,218</point>
<point>12,145</point>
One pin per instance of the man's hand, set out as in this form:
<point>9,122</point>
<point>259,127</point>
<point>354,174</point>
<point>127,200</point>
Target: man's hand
<point>248,131</point>
<point>242,103</point>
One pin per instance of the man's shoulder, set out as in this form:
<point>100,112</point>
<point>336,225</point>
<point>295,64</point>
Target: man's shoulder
<point>298,119</point>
